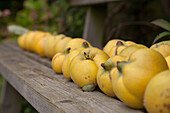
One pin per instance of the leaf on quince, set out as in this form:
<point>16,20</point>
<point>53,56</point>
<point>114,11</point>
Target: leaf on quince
<point>161,35</point>
<point>18,30</point>
<point>162,23</point>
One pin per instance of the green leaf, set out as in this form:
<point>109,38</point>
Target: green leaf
<point>18,30</point>
<point>161,35</point>
<point>162,23</point>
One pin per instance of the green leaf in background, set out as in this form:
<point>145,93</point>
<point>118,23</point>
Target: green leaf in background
<point>18,30</point>
<point>161,35</point>
<point>162,23</point>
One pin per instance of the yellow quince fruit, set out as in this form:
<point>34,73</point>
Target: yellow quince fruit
<point>84,67</point>
<point>110,44</point>
<point>49,46</point>
<point>68,59</point>
<point>76,43</point>
<point>57,60</point>
<point>157,94</point>
<point>61,44</point>
<point>103,75</point>
<point>130,79</point>
<point>162,47</point>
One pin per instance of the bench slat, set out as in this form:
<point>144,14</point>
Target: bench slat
<point>47,91</point>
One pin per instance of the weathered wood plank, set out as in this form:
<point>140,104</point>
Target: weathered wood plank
<point>14,46</point>
<point>89,2</point>
<point>11,99</point>
<point>49,92</point>
<point>94,25</point>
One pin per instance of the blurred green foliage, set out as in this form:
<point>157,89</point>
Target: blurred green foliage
<point>46,15</point>
<point>55,16</point>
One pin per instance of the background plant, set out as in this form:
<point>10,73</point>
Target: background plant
<point>163,24</point>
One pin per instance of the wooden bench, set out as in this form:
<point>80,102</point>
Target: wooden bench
<point>28,75</point>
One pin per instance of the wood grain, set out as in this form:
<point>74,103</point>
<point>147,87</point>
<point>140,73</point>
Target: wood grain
<point>89,2</point>
<point>49,92</point>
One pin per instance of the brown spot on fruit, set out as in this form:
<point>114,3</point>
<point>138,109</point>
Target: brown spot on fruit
<point>110,76</point>
<point>156,105</point>
<point>85,77</point>
<point>160,111</point>
<point>162,94</point>
<point>102,86</point>
<point>167,106</point>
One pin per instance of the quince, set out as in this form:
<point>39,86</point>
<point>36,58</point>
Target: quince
<point>131,49</point>
<point>28,39</point>
<point>58,59</point>
<point>40,47</point>
<point>115,50</point>
<point>103,75</point>
<point>110,44</point>
<point>130,79</point>
<point>38,36</point>
<point>157,93</point>
<point>61,44</point>
<point>76,43</point>
<point>21,41</point>
<point>49,46</point>
<point>68,59</point>
<point>84,67</point>
<point>162,47</point>
<point>168,60</point>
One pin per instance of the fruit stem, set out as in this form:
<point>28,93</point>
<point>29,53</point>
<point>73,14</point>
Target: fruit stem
<point>67,51</point>
<point>87,56</point>
<point>119,43</point>
<point>116,51</point>
<point>89,87</point>
<point>85,45</point>
<point>107,65</point>
<point>121,65</point>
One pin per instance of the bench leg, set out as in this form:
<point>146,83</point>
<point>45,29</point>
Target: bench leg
<point>94,25</point>
<point>11,99</point>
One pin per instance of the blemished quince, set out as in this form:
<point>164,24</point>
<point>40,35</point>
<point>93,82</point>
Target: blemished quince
<point>103,75</point>
<point>130,79</point>
<point>57,60</point>
<point>68,59</point>
<point>76,43</point>
<point>84,67</point>
<point>157,94</point>
<point>110,44</point>
<point>162,47</point>
<point>61,44</point>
